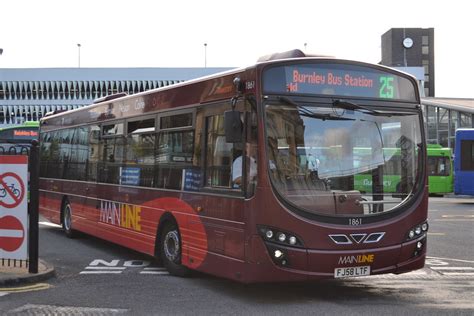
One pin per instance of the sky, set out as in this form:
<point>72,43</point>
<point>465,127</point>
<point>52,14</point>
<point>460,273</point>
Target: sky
<point>157,33</point>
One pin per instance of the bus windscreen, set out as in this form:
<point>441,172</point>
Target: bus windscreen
<point>347,80</point>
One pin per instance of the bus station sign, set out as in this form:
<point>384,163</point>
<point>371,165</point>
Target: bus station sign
<point>13,207</point>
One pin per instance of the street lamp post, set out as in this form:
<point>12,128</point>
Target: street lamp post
<point>205,55</point>
<point>79,55</point>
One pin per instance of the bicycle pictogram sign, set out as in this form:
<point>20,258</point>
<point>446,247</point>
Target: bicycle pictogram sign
<point>12,190</point>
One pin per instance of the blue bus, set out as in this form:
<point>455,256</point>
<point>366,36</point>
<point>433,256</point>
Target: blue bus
<point>464,162</point>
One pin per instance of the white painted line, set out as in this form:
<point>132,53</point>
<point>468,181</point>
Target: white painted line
<point>452,268</point>
<point>12,233</point>
<point>417,272</point>
<point>454,220</point>
<point>100,272</point>
<point>105,268</point>
<point>458,273</point>
<point>155,272</point>
<point>457,260</point>
<point>3,293</point>
<point>155,269</point>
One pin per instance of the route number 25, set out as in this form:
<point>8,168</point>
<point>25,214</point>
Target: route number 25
<point>386,87</point>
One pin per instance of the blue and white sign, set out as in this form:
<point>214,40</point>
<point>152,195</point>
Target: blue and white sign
<point>129,175</point>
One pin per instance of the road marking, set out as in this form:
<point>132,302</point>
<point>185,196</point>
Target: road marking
<point>457,260</point>
<point>105,268</point>
<point>458,273</point>
<point>436,234</point>
<point>454,220</point>
<point>32,309</point>
<point>452,268</point>
<point>156,271</point>
<point>27,288</point>
<point>101,272</point>
<point>463,216</point>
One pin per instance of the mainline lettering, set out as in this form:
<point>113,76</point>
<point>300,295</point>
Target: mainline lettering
<point>356,259</point>
<point>123,215</point>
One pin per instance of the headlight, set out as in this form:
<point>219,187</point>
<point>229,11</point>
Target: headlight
<point>269,234</point>
<point>279,236</point>
<point>417,231</point>
<point>292,240</point>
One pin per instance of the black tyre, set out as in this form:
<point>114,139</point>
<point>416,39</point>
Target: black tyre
<point>170,250</point>
<point>66,219</point>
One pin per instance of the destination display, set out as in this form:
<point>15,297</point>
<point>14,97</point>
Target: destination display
<point>339,80</point>
<point>19,134</point>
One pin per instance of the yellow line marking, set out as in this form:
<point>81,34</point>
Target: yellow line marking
<point>437,234</point>
<point>27,288</point>
<point>452,216</point>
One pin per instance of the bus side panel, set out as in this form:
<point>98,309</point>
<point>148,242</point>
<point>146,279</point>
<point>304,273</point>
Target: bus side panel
<point>50,201</point>
<point>439,184</point>
<point>464,162</point>
<point>464,183</point>
<point>49,206</point>
<point>213,233</point>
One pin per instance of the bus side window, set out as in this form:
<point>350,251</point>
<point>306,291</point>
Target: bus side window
<point>93,155</point>
<point>174,149</point>
<point>112,142</point>
<point>220,154</point>
<point>78,159</point>
<point>139,164</point>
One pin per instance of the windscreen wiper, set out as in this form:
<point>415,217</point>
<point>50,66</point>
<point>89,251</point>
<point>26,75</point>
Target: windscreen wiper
<point>352,106</point>
<point>304,111</point>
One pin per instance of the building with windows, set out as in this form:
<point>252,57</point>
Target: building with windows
<point>411,47</point>
<point>412,50</point>
<point>443,116</point>
<point>28,94</point>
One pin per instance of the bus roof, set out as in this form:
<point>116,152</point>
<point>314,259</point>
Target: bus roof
<point>25,124</point>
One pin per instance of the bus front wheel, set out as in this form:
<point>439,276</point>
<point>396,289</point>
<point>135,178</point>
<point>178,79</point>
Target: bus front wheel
<point>170,251</point>
<point>66,219</point>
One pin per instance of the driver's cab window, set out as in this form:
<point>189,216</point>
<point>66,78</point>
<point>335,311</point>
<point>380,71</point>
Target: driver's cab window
<point>231,166</point>
<point>220,154</point>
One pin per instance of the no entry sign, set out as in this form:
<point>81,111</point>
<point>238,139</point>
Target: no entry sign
<point>13,207</point>
<point>12,233</point>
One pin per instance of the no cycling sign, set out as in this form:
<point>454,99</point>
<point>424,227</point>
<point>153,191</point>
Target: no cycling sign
<point>13,207</point>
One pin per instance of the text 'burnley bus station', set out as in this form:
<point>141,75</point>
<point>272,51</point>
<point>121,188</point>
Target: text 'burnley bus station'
<point>296,168</point>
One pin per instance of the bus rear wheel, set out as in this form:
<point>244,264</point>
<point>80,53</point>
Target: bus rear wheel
<point>170,250</point>
<point>66,219</point>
